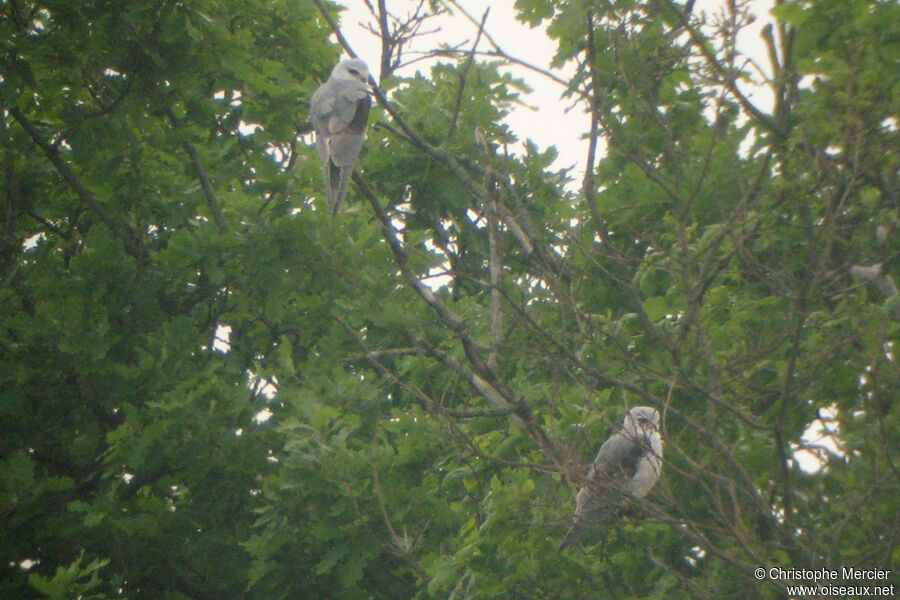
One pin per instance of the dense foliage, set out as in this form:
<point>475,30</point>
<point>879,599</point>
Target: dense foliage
<point>440,360</point>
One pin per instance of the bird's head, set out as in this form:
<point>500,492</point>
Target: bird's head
<point>642,422</point>
<point>353,68</point>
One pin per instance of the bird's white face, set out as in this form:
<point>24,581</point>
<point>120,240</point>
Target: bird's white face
<point>351,69</point>
<point>642,421</point>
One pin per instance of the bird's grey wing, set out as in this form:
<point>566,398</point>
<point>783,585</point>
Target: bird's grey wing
<point>321,107</point>
<point>607,479</point>
<point>618,456</point>
<point>344,148</point>
<point>348,128</point>
<point>347,94</point>
<point>340,111</point>
<point>612,469</point>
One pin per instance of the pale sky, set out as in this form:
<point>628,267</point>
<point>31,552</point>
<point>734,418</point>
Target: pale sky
<point>547,122</point>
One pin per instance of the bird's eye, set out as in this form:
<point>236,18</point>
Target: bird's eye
<point>643,419</point>
<point>354,72</point>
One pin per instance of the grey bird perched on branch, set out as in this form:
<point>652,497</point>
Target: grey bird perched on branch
<point>628,463</point>
<point>339,110</point>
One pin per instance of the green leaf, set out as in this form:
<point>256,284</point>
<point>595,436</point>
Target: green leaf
<point>656,307</point>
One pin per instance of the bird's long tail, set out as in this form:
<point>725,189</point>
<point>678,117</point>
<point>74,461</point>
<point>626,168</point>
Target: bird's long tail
<point>337,186</point>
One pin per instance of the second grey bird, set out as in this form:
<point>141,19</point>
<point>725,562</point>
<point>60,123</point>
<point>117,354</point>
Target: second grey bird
<point>339,109</point>
<point>628,463</point>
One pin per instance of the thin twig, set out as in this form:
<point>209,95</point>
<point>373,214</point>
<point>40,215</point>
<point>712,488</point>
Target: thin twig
<point>464,75</point>
<point>334,28</point>
<point>500,53</point>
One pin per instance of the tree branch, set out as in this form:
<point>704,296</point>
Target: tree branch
<point>725,78</point>
<point>202,175</point>
<point>464,75</point>
<point>481,376</point>
<point>122,230</point>
<point>495,261</point>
